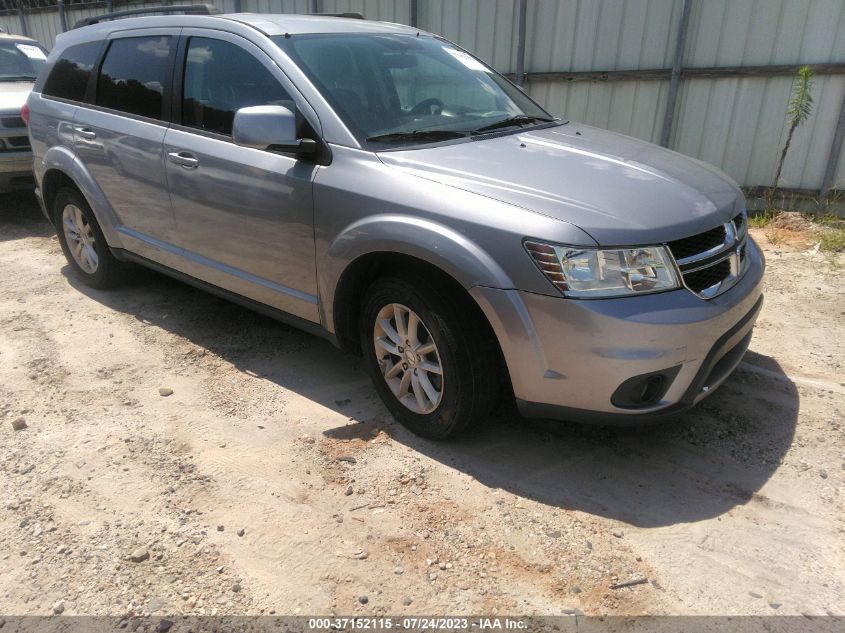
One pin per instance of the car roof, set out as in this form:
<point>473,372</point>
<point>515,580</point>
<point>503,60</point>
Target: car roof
<point>244,24</point>
<point>281,24</point>
<point>266,23</point>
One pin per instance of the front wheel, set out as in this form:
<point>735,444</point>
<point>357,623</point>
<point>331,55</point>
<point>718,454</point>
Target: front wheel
<point>431,361</point>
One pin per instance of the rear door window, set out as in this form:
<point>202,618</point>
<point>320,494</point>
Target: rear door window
<point>134,74</point>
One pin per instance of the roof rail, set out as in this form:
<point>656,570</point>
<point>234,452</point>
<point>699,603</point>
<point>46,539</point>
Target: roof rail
<point>192,9</point>
<point>350,15</point>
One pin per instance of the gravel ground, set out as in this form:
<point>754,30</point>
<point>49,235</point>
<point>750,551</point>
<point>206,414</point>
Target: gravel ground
<point>176,454</point>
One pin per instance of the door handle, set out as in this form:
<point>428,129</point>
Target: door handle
<point>184,159</point>
<point>85,132</point>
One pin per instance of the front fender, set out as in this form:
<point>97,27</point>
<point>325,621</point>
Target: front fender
<point>434,243</point>
<point>60,158</point>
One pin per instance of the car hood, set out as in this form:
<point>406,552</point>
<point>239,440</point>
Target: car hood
<point>620,190</point>
<point>13,95</point>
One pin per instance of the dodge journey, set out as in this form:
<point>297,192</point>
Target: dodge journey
<point>382,187</point>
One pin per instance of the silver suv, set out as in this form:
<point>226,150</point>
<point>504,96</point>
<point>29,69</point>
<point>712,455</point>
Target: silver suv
<point>381,187</point>
<point>21,59</point>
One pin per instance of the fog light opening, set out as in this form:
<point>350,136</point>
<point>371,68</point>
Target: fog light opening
<point>651,388</point>
<point>644,390</point>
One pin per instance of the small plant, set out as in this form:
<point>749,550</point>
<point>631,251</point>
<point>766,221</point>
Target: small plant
<point>800,109</point>
<point>773,237</point>
<point>833,241</point>
<point>824,219</point>
<point>833,198</point>
<point>762,219</point>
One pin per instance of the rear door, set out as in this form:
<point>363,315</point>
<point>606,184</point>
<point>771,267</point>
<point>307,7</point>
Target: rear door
<point>244,216</point>
<point>120,137</point>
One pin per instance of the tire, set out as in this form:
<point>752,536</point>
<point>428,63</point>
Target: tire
<point>466,389</point>
<point>92,262</point>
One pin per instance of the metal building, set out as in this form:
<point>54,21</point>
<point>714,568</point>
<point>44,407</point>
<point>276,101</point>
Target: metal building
<point>709,78</point>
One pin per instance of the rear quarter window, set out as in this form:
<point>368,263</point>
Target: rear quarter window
<point>71,72</point>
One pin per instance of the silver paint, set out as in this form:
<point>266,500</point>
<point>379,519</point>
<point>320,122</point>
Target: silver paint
<point>409,359</point>
<point>283,231</point>
<point>259,127</point>
<point>80,238</point>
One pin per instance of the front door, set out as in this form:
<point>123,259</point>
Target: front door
<point>244,217</point>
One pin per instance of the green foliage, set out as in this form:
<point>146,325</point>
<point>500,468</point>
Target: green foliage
<point>825,219</point>
<point>799,110</point>
<point>763,218</point>
<point>833,240</point>
<point>801,102</point>
<point>831,232</point>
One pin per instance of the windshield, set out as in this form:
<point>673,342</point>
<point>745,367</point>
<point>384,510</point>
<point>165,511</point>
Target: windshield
<point>20,61</point>
<point>400,89</point>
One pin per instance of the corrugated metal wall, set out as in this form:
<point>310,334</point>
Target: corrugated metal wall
<point>737,124</point>
<point>586,35</point>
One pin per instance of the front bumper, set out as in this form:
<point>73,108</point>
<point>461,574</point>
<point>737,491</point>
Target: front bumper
<point>567,358</point>
<point>16,170</point>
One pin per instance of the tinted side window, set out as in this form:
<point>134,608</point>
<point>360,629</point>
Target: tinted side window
<point>220,78</point>
<point>70,74</point>
<point>133,75</point>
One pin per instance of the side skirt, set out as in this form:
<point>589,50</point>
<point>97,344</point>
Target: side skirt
<point>279,315</point>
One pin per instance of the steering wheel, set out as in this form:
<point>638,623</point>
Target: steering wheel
<point>432,105</point>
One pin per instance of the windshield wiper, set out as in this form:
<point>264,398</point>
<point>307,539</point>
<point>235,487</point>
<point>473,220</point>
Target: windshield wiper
<point>17,78</point>
<point>417,135</point>
<point>519,119</point>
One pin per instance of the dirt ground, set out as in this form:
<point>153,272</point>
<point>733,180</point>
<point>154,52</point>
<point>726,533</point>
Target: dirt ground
<point>271,479</point>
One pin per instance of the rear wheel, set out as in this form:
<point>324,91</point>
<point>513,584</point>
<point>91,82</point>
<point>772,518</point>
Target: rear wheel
<point>430,360</point>
<point>83,243</point>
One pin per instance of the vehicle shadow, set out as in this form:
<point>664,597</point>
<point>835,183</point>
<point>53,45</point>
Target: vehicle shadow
<point>699,466</point>
<point>253,343</point>
<point>21,217</point>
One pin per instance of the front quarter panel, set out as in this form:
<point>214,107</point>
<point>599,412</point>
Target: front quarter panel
<point>363,206</point>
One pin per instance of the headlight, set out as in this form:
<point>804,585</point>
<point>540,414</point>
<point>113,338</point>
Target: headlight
<point>595,273</point>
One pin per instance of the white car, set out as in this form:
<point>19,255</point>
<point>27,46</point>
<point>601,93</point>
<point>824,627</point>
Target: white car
<point>21,58</point>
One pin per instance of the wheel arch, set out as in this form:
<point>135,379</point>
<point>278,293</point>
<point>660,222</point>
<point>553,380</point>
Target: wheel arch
<point>53,181</point>
<point>62,169</point>
<point>404,246</point>
<point>367,269</point>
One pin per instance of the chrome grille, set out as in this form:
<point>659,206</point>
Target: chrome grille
<point>690,246</point>
<point>713,261</point>
<point>740,223</point>
<point>700,280</point>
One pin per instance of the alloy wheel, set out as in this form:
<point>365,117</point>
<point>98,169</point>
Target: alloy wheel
<point>80,238</point>
<point>408,358</point>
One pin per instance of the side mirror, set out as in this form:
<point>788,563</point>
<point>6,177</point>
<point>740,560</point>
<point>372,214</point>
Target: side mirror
<point>270,127</point>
